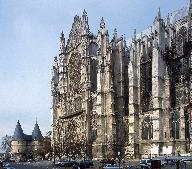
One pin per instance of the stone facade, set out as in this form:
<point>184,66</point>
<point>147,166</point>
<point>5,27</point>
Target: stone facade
<point>23,146</point>
<point>132,97</point>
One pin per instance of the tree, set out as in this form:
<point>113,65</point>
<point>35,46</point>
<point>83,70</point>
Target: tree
<point>6,143</point>
<point>47,145</point>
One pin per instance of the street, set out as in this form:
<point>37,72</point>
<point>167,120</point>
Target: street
<point>49,165</point>
<point>34,165</point>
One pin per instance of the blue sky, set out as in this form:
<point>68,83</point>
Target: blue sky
<point>29,40</point>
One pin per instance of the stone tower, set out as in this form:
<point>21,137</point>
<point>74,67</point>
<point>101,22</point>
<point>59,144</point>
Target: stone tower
<point>23,146</point>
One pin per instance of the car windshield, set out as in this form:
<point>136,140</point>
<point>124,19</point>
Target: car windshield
<point>145,161</point>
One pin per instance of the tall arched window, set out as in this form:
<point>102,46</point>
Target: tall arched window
<point>175,122</point>
<point>147,128</point>
<point>146,79</point>
<point>187,123</point>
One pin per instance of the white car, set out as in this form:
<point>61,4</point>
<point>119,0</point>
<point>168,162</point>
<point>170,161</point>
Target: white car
<point>112,166</point>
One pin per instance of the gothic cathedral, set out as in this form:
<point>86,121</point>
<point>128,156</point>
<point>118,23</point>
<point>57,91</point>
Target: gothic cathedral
<point>113,97</point>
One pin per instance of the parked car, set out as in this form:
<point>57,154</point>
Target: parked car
<point>162,159</point>
<point>31,160</point>
<point>7,166</point>
<point>61,163</point>
<point>87,163</point>
<point>66,163</point>
<point>111,166</point>
<point>134,167</point>
<point>145,163</point>
<point>12,160</point>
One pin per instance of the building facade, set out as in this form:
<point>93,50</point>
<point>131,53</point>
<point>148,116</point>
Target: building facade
<point>125,98</point>
<point>24,146</point>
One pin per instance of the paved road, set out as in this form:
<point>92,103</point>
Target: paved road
<point>48,165</point>
<point>34,165</point>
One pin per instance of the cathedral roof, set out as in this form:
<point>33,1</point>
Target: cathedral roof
<point>18,133</point>
<point>36,134</point>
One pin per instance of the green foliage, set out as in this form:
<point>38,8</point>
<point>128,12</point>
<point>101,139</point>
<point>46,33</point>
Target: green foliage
<point>47,145</point>
<point>6,143</point>
<point>38,153</point>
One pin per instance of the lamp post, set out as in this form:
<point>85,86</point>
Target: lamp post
<point>106,145</point>
<point>175,122</point>
<point>119,158</point>
<point>54,153</point>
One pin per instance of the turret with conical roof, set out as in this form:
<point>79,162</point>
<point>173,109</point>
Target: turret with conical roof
<point>36,134</point>
<point>18,133</point>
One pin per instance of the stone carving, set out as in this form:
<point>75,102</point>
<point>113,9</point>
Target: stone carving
<point>74,68</point>
<point>75,34</point>
<point>125,94</point>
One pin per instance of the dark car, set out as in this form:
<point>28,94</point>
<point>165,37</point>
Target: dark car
<point>134,167</point>
<point>88,163</point>
<point>61,163</point>
<point>66,163</point>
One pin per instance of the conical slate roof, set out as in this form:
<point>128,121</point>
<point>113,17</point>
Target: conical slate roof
<point>18,133</point>
<point>36,134</point>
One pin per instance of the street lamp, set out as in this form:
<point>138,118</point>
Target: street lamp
<point>54,152</point>
<point>119,158</point>
<point>175,123</point>
<point>106,144</point>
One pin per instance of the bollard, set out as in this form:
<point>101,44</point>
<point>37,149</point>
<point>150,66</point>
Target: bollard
<point>177,164</point>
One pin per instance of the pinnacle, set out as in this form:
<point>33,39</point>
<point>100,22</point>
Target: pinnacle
<point>62,34</point>
<point>115,32</point>
<point>84,12</point>
<point>102,23</point>
<point>168,19</point>
<point>159,14</point>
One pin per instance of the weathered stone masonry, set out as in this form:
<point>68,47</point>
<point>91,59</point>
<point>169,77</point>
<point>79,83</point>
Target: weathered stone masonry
<point>130,97</point>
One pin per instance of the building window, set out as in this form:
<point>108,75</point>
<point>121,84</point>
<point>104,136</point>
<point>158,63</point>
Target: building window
<point>175,124</point>
<point>147,128</point>
<point>18,142</point>
<point>187,124</point>
<point>18,151</point>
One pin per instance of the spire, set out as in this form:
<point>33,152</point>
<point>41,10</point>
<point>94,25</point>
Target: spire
<point>134,36</point>
<point>168,20</point>
<point>159,14</point>
<point>102,23</point>
<point>151,29</point>
<point>141,36</point>
<point>36,134</point>
<point>115,33</point>
<point>62,43</point>
<point>84,13</point>
<point>85,26</point>
<point>18,133</point>
<point>124,40</point>
<point>84,16</point>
